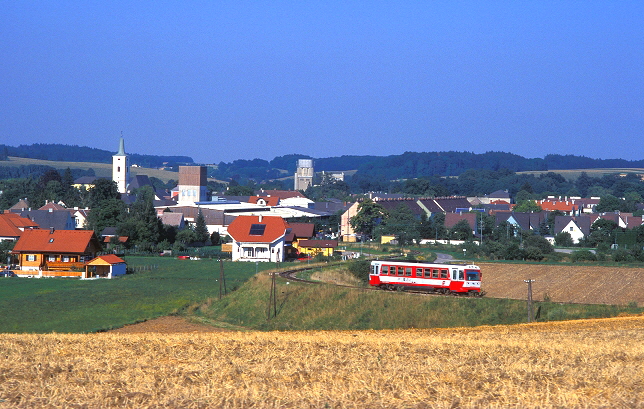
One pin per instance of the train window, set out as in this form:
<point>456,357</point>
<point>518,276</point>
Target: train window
<point>454,274</point>
<point>428,273</point>
<point>385,270</point>
<point>444,274</point>
<point>435,273</point>
<point>400,271</point>
<point>472,275</point>
<point>419,272</point>
<point>460,274</point>
<point>408,271</point>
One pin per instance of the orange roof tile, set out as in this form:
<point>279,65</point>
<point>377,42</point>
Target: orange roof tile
<point>274,228</point>
<point>12,224</point>
<point>58,241</point>
<point>105,260</point>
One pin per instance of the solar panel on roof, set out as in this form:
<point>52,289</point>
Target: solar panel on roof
<point>257,229</point>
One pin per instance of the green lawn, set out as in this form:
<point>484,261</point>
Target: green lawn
<point>65,305</point>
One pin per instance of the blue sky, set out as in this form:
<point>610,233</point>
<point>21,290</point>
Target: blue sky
<point>226,80</point>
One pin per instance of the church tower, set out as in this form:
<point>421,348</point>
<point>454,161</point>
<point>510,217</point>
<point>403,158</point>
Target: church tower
<point>121,168</point>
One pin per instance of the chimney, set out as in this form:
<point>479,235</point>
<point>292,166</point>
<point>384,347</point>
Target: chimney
<point>260,218</point>
<point>51,230</point>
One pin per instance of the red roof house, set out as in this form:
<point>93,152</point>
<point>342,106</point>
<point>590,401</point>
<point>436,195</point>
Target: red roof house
<point>56,252</point>
<point>258,238</point>
<point>12,225</point>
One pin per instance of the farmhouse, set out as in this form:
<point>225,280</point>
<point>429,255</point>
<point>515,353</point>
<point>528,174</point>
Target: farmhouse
<point>51,253</point>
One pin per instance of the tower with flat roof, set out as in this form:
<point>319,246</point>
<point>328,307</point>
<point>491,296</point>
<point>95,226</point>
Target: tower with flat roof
<point>304,174</point>
<point>193,185</point>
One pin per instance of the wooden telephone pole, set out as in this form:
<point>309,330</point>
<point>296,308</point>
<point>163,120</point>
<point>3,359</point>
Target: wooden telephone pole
<point>529,282</point>
<point>222,279</point>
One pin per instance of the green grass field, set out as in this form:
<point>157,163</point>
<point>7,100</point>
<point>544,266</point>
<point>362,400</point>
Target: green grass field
<point>68,305</point>
<point>191,288</point>
<point>327,307</point>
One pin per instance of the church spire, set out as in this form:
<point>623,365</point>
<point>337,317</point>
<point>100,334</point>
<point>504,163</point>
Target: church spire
<point>121,151</point>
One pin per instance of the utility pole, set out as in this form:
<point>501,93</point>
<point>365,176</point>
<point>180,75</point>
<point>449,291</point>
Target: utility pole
<point>222,279</point>
<point>529,282</point>
<point>272,299</point>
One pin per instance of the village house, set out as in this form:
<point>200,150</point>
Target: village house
<point>258,238</point>
<point>577,226</point>
<point>12,225</point>
<point>55,252</point>
<point>314,248</point>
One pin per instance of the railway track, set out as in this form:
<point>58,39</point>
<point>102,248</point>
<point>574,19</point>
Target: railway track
<point>291,275</point>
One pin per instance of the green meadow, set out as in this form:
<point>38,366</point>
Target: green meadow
<point>68,305</point>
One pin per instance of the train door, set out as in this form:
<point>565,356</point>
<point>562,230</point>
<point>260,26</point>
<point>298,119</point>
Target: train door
<point>458,275</point>
<point>374,277</point>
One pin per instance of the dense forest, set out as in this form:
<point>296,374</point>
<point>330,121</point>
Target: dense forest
<point>74,153</point>
<point>411,165</point>
<point>405,166</point>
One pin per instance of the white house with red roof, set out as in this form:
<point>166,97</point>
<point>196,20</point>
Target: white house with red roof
<point>258,238</point>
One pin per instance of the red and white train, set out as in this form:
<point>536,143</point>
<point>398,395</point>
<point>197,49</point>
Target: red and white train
<point>441,278</point>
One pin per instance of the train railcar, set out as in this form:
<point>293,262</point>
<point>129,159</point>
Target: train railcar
<point>440,278</point>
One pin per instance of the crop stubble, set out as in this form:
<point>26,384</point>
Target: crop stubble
<point>587,363</point>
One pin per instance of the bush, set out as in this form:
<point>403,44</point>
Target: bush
<point>564,239</point>
<point>583,255</point>
<point>532,253</point>
<point>360,269</point>
<point>622,256</point>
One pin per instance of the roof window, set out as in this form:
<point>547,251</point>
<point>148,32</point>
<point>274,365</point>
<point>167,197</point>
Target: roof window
<point>257,229</point>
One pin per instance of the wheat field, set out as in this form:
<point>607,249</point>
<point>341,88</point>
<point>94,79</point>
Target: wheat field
<point>580,364</point>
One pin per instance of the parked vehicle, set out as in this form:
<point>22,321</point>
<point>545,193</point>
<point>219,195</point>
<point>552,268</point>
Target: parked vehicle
<point>7,273</point>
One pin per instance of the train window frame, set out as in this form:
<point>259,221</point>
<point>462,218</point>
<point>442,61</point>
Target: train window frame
<point>401,271</point>
<point>445,273</point>
<point>419,272</point>
<point>428,273</point>
<point>384,270</point>
<point>408,271</point>
<point>435,273</point>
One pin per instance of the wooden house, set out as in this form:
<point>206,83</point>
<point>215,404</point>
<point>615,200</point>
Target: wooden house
<point>55,252</point>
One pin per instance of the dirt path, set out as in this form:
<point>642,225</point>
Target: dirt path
<point>167,325</point>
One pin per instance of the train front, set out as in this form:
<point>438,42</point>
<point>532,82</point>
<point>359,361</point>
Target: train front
<point>472,280</point>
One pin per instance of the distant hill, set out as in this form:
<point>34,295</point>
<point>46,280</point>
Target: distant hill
<point>74,153</point>
<point>405,166</point>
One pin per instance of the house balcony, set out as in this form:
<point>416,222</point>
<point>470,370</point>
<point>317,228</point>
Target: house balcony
<point>63,266</point>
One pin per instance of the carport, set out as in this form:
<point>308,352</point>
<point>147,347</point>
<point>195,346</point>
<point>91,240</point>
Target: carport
<point>105,266</point>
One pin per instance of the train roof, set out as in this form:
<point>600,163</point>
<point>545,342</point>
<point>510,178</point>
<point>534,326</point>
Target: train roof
<point>423,262</point>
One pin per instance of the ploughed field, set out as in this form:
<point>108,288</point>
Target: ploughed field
<point>585,363</point>
<point>565,283</point>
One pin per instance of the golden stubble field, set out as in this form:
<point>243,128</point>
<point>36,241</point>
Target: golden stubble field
<point>565,283</point>
<point>577,364</point>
